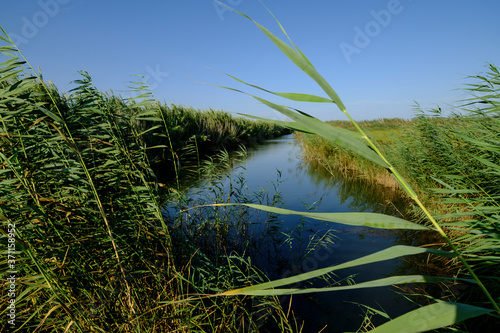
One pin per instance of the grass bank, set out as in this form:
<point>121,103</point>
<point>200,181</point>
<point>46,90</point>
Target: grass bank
<point>430,150</point>
<point>339,161</point>
<point>189,135</point>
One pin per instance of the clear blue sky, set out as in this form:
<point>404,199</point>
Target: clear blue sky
<point>379,55</point>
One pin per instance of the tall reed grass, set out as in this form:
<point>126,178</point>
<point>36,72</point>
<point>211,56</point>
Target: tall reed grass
<point>346,167</point>
<point>199,133</point>
<point>93,248</point>
<point>476,264</point>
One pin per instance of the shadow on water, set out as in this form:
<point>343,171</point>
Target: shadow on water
<point>286,245</point>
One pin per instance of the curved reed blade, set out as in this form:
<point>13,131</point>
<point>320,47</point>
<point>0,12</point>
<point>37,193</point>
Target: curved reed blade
<point>300,60</point>
<point>371,220</point>
<point>386,282</point>
<point>431,317</point>
<point>298,97</point>
<point>386,254</point>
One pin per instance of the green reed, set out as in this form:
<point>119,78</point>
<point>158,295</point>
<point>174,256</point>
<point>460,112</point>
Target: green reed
<point>94,249</point>
<point>433,316</point>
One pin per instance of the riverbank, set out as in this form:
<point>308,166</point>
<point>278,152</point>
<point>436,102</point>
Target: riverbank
<point>188,136</point>
<point>340,161</point>
<point>429,150</point>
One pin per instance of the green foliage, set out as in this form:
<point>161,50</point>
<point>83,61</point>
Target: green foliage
<point>210,129</point>
<point>361,144</point>
<point>94,250</point>
<point>70,180</point>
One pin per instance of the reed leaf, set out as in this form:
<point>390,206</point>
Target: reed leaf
<point>385,282</point>
<point>298,97</point>
<point>371,220</point>
<point>386,254</point>
<point>431,317</point>
<point>300,60</point>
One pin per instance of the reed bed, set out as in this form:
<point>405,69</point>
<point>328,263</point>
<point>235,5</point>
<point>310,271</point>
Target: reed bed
<point>177,135</point>
<point>338,161</point>
<point>199,133</point>
<point>452,162</point>
<point>90,247</point>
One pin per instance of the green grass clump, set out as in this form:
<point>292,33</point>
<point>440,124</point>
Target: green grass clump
<point>206,130</point>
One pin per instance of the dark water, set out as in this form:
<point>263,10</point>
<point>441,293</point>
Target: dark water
<point>304,186</point>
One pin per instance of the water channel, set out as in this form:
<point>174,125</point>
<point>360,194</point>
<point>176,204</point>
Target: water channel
<point>277,166</point>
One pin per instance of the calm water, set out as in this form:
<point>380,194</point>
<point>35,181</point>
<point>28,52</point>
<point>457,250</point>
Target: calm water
<point>302,186</point>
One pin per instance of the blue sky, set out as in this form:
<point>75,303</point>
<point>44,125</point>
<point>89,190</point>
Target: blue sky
<point>381,56</point>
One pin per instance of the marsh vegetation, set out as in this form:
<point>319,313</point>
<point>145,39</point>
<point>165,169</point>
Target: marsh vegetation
<point>95,250</point>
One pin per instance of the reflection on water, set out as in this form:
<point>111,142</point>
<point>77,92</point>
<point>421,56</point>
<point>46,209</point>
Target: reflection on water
<point>362,196</point>
<point>275,167</point>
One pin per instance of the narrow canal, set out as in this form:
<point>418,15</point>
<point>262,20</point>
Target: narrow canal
<point>301,245</point>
